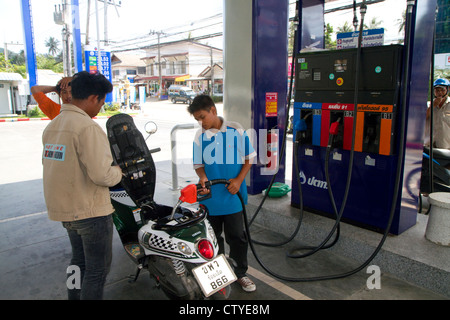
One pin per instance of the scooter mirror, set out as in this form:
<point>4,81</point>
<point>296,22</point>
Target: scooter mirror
<point>150,127</point>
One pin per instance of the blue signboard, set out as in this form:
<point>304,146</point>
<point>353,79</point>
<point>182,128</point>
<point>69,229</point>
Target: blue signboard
<point>78,55</point>
<point>101,64</point>
<point>370,38</point>
<point>30,52</point>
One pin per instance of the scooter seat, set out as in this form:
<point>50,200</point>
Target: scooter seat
<point>130,152</point>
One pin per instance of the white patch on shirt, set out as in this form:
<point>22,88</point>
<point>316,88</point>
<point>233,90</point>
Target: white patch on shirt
<point>54,152</point>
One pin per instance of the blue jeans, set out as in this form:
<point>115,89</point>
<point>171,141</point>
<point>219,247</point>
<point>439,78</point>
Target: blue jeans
<point>91,241</point>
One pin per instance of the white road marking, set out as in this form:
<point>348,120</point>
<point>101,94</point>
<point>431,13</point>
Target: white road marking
<point>294,294</point>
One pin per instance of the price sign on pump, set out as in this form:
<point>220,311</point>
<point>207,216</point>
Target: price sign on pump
<point>99,61</point>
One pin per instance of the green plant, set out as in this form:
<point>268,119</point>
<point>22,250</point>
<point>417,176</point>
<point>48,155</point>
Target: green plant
<point>35,113</point>
<point>114,106</point>
<point>217,98</point>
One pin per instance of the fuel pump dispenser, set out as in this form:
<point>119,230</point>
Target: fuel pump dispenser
<point>350,118</point>
<point>325,85</point>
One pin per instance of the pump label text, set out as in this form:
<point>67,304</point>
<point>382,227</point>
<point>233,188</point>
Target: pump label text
<point>375,108</point>
<point>313,181</point>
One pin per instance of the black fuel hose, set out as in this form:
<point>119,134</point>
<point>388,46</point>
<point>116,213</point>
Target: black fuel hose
<point>352,151</point>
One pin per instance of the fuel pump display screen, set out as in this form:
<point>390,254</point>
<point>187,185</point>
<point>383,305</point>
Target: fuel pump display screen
<point>340,65</point>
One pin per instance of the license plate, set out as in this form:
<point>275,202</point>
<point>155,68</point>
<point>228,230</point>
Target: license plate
<point>214,275</point>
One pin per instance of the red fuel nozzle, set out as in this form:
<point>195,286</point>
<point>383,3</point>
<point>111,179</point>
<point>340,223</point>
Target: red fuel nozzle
<point>189,194</point>
<point>334,128</point>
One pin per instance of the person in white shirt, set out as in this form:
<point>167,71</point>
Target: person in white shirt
<point>441,114</point>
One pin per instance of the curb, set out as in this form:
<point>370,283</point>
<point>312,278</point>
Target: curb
<point>38,119</point>
<point>22,119</point>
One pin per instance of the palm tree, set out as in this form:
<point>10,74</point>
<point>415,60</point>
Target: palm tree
<point>374,24</point>
<point>345,28</point>
<point>401,22</point>
<point>401,25</point>
<point>52,45</point>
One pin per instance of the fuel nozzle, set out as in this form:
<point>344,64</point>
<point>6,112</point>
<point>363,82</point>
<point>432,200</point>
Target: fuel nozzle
<point>300,129</point>
<point>334,130</point>
<point>188,194</point>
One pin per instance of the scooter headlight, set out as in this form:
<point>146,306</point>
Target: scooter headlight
<point>211,234</point>
<point>184,248</point>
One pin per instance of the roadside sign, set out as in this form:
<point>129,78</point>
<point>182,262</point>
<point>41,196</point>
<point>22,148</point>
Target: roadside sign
<point>370,38</point>
<point>101,63</point>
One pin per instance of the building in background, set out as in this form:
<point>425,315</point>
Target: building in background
<point>442,40</point>
<point>179,62</point>
<point>13,99</point>
<point>125,68</point>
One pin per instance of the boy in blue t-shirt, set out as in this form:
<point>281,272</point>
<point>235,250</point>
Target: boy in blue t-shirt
<point>222,150</point>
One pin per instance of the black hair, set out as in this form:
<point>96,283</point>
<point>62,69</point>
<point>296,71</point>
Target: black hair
<point>201,102</point>
<point>58,87</point>
<point>85,84</point>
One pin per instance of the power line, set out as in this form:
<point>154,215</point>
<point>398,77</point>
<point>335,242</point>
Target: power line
<point>207,36</point>
<point>167,33</point>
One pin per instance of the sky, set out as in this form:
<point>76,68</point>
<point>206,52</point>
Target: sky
<point>388,12</point>
<point>135,18</point>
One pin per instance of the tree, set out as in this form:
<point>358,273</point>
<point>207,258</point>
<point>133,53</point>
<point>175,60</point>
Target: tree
<point>7,66</point>
<point>46,61</point>
<point>374,24</point>
<point>328,33</point>
<point>291,33</point>
<point>52,45</point>
<point>345,28</point>
<point>401,25</point>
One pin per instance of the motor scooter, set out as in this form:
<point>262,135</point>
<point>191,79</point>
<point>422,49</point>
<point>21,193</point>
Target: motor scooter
<point>418,182</point>
<point>441,171</point>
<point>176,245</point>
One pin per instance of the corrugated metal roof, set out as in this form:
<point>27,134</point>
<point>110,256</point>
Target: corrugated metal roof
<point>127,60</point>
<point>10,76</point>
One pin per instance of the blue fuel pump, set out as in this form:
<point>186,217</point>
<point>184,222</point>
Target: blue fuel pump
<point>368,137</point>
<point>366,89</point>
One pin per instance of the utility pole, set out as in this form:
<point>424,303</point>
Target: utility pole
<point>105,21</point>
<point>106,3</point>
<point>87,21</point>
<point>212,73</point>
<point>99,65</point>
<point>159,33</point>
<point>59,16</point>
